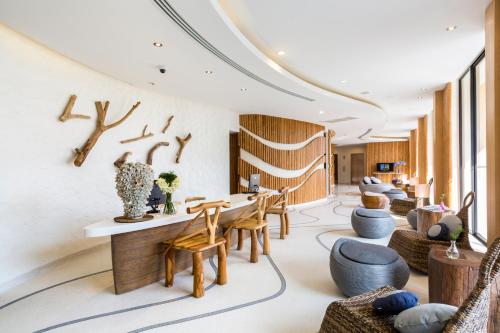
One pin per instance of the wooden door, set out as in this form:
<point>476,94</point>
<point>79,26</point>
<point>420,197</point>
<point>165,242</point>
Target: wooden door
<point>335,169</point>
<point>357,167</point>
<point>234,154</point>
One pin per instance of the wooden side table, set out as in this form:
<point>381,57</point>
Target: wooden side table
<point>373,200</point>
<point>426,218</point>
<point>451,281</point>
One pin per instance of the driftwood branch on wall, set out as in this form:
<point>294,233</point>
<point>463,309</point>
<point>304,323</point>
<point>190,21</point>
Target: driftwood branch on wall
<point>152,150</point>
<point>182,144</point>
<point>122,159</point>
<point>81,154</point>
<point>67,111</point>
<point>142,136</point>
<point>169,120</point>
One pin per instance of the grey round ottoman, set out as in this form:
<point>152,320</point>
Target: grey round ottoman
<point>395,193</point>
<point>358,267</point>
<point>412,218</point>
<point>372,223</point>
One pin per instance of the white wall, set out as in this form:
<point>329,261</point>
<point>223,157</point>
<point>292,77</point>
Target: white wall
<point>45,200</point>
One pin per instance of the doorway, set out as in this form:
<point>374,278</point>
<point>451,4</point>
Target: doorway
<point>357,167</point>
<point>234,154</point>
<point>335,169</point>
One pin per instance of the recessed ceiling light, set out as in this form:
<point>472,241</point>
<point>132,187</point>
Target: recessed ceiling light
<point>451,28</point>
<point>321,111</point>
<point>152,83</point>
<point>343,81</point>
<point>281,53</point>
<point>208,72</point>
<point>420,97</point>
<point>157,44</point>
<point>243,89</point>
<point>364,92</point>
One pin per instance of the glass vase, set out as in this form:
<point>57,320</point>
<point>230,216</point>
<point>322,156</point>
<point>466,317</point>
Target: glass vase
<point>169,208</point>
<point>452,251</point>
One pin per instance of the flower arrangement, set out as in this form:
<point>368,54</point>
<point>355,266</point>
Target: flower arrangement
<point>398,164</point>
<point>168,182</point>
<point>134,182</point>
<point>441,202</point>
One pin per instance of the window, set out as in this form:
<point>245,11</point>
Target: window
<point>472,95</point>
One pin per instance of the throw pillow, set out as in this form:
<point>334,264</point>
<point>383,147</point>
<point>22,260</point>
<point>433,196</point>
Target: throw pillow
<point>395,302</point>
<point>438,231</point>
<point>375,180</point>
<point>453,223</point>
<point>367,180</point>
<point>428,318</point>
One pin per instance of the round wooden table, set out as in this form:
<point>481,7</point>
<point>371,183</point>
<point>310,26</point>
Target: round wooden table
<point>451,281</point>
<point>373,200</point>
<point>427,217</point>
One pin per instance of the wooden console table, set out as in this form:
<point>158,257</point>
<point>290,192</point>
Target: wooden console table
<point>137,250</point>
<point>451,281</point>
<point>386,177</point>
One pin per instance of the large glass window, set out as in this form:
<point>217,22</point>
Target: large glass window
<point>473,142</point>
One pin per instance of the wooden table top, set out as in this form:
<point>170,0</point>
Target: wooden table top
<point>467,257</point>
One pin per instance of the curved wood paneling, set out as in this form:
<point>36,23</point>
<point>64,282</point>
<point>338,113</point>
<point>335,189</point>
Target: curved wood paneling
<point>284,159</point>
<point>280,130</point>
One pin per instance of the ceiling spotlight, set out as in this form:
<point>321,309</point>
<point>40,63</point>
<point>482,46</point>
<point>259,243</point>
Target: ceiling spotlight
<point>157,44</point>
<point>364,92</point>
<point>152,83</point>
<point>343,81</point>
<point>281,53</point>
<point>451,28</point>
<point>243,89</point>
<point>209,72</point>
<point>321,111</point>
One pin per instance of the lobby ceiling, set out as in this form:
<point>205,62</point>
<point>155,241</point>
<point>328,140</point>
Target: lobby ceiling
<point>350,65</point>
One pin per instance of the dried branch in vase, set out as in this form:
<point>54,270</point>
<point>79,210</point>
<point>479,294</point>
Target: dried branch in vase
<point>67,111</point>
<point>142,136</point>
<point>81,154</point>
<point>182,143</point>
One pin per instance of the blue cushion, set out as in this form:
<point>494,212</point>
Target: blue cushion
<point>369,254</point>
<point>428,318</point>
<point>371,213</point>
<point>438,231</point>
<point>395,302</point>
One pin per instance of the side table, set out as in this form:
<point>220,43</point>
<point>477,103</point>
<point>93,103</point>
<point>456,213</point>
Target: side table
<point>451,281</point>
<point>427,217</point>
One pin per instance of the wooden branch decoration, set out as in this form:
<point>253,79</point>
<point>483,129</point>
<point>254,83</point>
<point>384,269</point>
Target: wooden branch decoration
<point>169,120</point>
<point>152,150</point>
<point>67,111</point>
<point>142,136</point>
<point>81,154</point>
<point>182,143</point>
<point>122,159</point>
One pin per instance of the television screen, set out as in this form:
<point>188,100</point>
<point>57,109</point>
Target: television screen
<point>385,167</point>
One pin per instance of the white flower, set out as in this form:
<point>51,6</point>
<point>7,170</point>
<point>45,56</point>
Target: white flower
<point>166,187</point>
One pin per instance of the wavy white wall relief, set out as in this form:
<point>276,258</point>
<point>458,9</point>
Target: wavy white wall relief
<point>284,146</point>
<point>271,169</point>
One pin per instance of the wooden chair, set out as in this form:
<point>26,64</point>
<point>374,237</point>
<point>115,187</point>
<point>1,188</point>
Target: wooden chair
<point>403,206</point>
<point>279,207</point>
<point>197,242</point>
<point>414,247</point>
<point>356,314</point>
<point>254,222</point>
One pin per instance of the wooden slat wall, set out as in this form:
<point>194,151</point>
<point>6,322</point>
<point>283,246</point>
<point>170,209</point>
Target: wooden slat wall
<point>285,159</point>
<point>379,152</point>
<point>493,118</point>
<point>280,130</point>
<point>313,184</point>
<point>412,165</point>
<point>422,150</point>
<point>442,144</point>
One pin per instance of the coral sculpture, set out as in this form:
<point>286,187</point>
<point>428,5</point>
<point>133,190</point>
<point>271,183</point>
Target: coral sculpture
<point>134,182</point>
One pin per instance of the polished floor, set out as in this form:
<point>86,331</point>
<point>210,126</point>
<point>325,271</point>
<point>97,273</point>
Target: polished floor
<point>287,291</point>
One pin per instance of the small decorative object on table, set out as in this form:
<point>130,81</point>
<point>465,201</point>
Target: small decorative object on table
<point>452,251</point>
<point>168,183</point>
<point>441,202</point>
<point>134,182</point>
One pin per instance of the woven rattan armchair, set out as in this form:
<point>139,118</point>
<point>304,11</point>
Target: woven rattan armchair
<point>414,248</point>
<point>356,314</point>
<point>403,206</point>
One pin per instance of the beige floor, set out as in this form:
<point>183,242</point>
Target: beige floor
<point>286,292</point>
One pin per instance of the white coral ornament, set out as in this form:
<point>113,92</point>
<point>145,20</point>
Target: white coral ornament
<point>134,182</point>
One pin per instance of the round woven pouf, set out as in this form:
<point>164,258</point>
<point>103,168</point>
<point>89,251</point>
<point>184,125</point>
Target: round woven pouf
<point>395,193</point>
<point>358,267</point>
<point>371,223</point>
<point>412,218</point>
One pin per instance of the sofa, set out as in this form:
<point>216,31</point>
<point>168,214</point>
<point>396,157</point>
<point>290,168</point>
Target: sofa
<point>374,187</point>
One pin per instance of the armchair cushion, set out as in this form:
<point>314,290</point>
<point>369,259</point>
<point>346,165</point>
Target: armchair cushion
<point>438,232</point>
<point>368,253</point>
<point>395,302</point>
<point>375,180</point>
<point>426,318</point>
<point>367,180</point>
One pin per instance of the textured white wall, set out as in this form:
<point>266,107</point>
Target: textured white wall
<point>45,200</point>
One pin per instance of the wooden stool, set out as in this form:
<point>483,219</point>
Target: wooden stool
<point>196,243</point>
<point>253,223</point>
<point>373,200</point>
<point>279,207</point>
